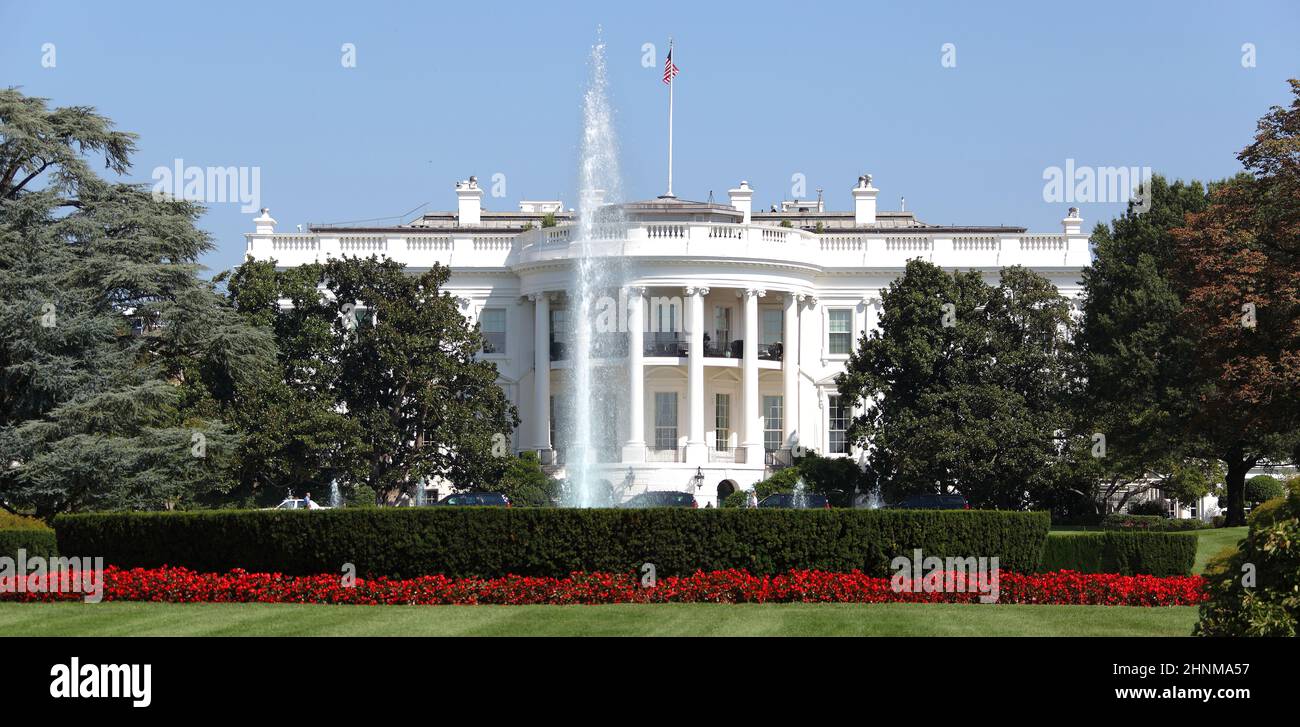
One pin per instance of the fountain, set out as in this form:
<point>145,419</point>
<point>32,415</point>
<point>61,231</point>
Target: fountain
<point>336,497</point>
<point>799,498</point>
<point>597,274</point>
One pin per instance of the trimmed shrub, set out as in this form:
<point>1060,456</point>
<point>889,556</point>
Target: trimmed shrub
<point>1151,553</point>
<point>1150,508</point>
<point>35,542</point>
<point>26,533</point>
<point>492,542</point>
<point>1121,521</point>
<point>1262,488</point>
<point>1253,590</point>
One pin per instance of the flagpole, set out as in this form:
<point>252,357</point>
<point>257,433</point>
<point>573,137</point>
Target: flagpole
<point>670,120</point>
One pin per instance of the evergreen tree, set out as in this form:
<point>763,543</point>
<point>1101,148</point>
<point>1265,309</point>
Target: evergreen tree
<point>113,351</point>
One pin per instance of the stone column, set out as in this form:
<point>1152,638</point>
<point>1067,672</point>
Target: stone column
<point>542,374</point>
<point>696,449</point>
<point>752,429</point>
<point>790,374</point>
<point>634,448</point>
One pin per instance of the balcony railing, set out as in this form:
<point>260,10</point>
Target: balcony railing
<point>663,455</point>
<point>482,247</point>
<point>733,455</point>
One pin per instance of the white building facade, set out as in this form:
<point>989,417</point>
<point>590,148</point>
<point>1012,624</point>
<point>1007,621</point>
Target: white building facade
<point>747,316</point>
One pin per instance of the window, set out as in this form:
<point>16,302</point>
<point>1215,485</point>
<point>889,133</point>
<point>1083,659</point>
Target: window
<point>722,326</point>
<point>665,420</point>
<point>773,422</point>
<point>559,325</point>
<point>837,425</point>
<point>840,321</point>
<point>770,325</point>
<point>492,323</point>
<point>722,422</point>
<point>555,442</point>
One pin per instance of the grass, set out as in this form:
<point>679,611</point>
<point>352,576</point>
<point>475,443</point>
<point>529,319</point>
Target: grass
<point>1210,542</point>
<point>777,619</point>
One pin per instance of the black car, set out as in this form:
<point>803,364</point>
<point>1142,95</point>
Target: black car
<point>932,502</point>
<point>807,501</point>
<point>478,499</point>
<point>662,498</point>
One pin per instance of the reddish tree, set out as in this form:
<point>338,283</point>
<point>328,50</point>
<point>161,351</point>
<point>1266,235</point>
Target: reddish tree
<point>1240,261</point>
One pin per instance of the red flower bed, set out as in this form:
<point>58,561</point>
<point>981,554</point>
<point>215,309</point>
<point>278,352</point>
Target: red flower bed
<point>179,585</point>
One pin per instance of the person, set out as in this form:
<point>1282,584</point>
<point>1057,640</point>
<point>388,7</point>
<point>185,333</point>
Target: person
<point>306,502</point>
<point>751,501</point>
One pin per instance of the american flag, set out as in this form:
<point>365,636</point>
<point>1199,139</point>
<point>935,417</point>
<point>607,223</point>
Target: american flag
<point>670,69</point>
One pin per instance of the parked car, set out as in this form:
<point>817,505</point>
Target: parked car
<point>295,503</point>
<point>662,498</point>
<point>478,499</point>
<point>932,502</point>
<point>789,500</point>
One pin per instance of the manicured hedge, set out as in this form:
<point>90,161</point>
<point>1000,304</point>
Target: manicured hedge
<point>491,542</point>
<point>1152,553</point>
<point>35,542</point>
<point>1154,523</point>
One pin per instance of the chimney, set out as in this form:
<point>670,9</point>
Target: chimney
<point>742,198</point>
<point>864,202</point>
<point>1072,223</point>
<point>468,202</point>
<point>264,225</point>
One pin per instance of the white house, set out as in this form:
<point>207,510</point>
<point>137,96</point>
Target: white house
<point>771,304</point>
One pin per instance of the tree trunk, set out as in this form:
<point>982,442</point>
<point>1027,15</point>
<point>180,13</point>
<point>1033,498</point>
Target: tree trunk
<point>1236,486</point>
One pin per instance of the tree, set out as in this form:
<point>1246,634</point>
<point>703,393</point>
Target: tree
<point>391,353</point>
<point>1262,488</point>
<point>1132,359</point>
<point>114,353</point>
<point>1240,258</point>
<point>294,438</point>
<point>961,386</point>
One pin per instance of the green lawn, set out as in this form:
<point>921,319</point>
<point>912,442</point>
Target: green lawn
<point>784,619</point>
<point>1214,540</point>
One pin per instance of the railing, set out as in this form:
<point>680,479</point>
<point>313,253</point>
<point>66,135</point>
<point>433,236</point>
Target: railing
<point>493,242</point>
<point>727,455</point>
<point>488,248</point>
<point>295,242</point>
<point>981,243</point>
<point>661,232</point>
<point>1043,242</point>
<point>908,243</point>
<point>843,243</point>
<point>663,455</point>
<point>363,243</point>
<point>425,243</point>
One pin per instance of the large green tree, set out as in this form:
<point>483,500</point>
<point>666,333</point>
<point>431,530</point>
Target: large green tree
<point>961,387</point>
<point>389,351</point>
<point>1240,260</point>
<point>1133,359</point>
<point>114,354</point>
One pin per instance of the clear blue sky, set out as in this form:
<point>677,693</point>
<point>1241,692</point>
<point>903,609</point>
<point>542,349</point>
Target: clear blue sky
<point>442,91</point>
